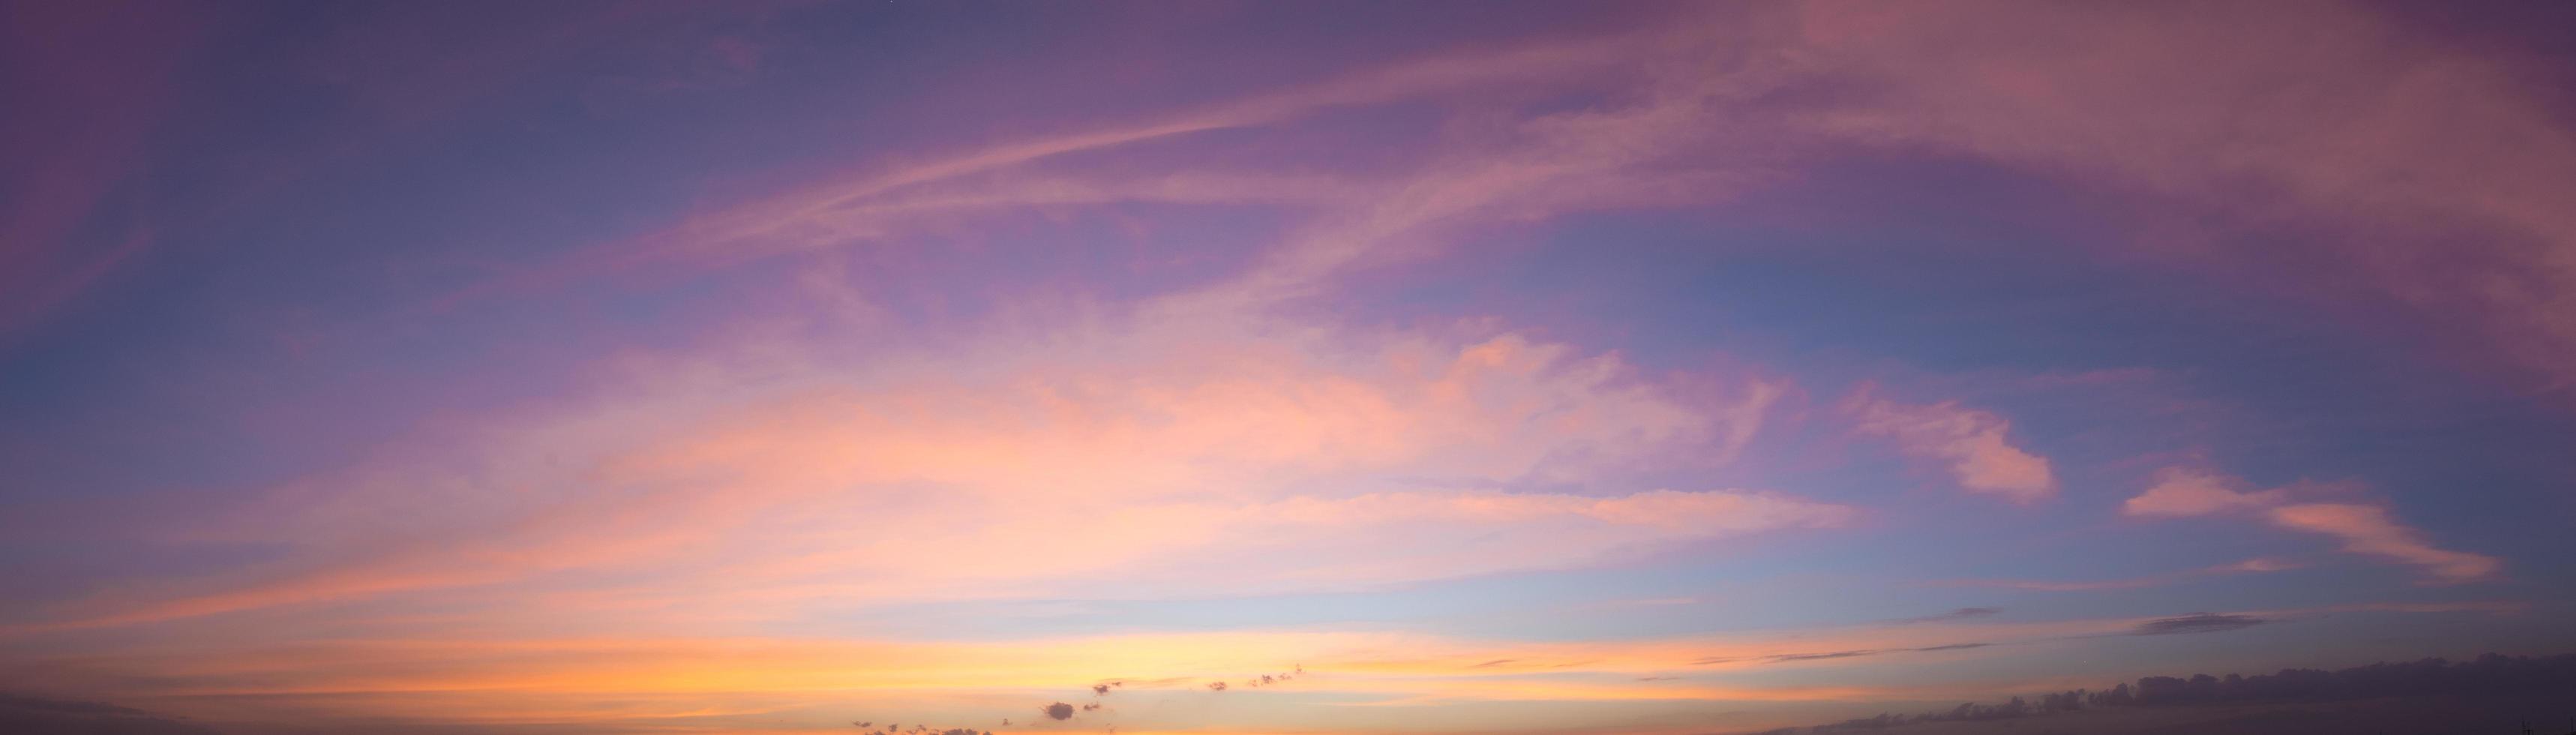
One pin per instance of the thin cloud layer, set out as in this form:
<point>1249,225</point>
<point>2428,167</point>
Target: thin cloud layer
<point>2197,623</point>
<point>1965,613</point>
<point>2362,529</point>
<point>753,366</point>
<point>2249,566</point>
<point>1170,458</point>
<point>2368,530</point>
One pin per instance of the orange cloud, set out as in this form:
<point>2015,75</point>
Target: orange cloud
<point>1157,454</point>
<point>450,676</point>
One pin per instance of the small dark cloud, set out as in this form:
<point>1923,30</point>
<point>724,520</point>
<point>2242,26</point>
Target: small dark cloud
<point>1959,614</point>
<point>1216,686</point>
<point>1821,656</point>
<point>1099,689</point>
<point>1058,711</point>
<point>1785,657</point>
<point>2197,623</point>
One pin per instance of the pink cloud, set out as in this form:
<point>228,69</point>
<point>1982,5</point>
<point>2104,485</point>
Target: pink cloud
<point>1973,442</point>
<point>2330,132</point>
<point>2363,529</point>
<point>1159,453</point>
<point>2368,530</point>
<point>2323,115</point>
<point>2181,492</point>
<point>92,83</point>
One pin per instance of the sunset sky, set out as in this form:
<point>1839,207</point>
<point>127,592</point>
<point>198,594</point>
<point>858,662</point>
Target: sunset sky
<point>584,367</point>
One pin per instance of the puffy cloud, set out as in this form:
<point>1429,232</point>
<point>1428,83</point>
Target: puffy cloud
<point>1974,443</point>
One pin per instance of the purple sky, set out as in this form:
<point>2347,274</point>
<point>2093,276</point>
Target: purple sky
<point>1509,367</point>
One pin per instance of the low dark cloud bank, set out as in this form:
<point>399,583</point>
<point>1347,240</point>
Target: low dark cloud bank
<point>20,715</point>
<point>2431,685</point>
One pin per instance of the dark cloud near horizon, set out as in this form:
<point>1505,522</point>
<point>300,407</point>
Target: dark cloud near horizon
<point>24,715</point>
<point>2490,675</point>
<point>1823,656</point>
<point>2197,623</point>
<point>1061,711</point>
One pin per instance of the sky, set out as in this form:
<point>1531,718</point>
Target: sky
<point>1425,367</point>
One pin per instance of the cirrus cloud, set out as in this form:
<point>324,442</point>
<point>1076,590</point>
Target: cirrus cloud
<point>2363,529</point>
